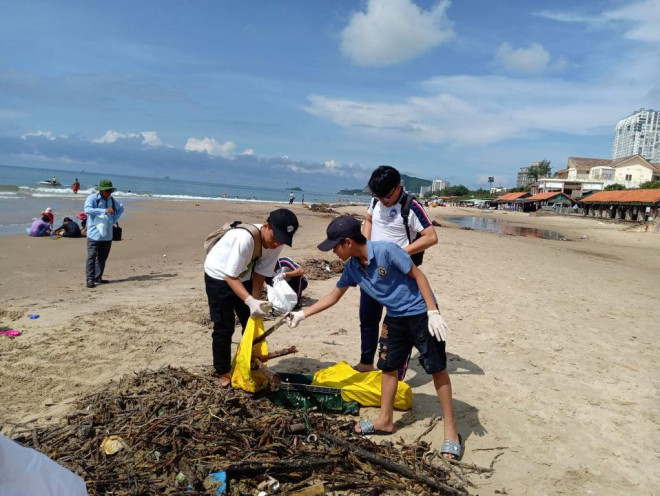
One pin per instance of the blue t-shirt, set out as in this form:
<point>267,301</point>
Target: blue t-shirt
<point>385,278</point>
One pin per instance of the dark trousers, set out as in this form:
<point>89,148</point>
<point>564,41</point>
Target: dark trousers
<point>223,305</point>
<point>97,254</point>
<point>370,314</point>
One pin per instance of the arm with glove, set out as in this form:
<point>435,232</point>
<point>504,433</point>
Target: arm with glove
<point>258,308</point>
<point>295,318</point>
<point>438,328</point>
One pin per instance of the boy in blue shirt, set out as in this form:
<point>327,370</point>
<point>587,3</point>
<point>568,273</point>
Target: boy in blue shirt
<point>386,273</point>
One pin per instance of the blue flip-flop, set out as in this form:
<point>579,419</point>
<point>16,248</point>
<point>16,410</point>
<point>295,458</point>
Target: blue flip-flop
<point>453,448</point>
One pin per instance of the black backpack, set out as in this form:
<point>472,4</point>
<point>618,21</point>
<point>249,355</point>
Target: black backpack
<point>405,201</point>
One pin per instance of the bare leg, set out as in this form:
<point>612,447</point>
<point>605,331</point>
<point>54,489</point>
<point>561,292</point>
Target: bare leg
<point>385,420</point>
<point>442,385</point>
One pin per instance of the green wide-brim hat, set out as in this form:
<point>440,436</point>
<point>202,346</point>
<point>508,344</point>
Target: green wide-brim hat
<point>105,185</point>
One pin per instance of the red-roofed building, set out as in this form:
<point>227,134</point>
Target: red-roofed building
<point>636,205</point>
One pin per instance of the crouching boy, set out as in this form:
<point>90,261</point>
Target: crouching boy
<point>386,273</point>
<point>235,280</point>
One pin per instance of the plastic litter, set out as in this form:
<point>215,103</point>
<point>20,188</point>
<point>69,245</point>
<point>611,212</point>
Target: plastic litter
<point>11,333</point>
<point>216,481</point>
<point>113,444</point>
<point>33,316</point>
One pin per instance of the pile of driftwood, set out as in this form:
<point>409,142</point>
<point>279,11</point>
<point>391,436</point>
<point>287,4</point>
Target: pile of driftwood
<point>173,431</point>
<point>320,269</point>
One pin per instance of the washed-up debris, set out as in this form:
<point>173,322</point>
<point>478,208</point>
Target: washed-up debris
<point>174,431</point>
<point>319,269</point>
<point>321,207</point>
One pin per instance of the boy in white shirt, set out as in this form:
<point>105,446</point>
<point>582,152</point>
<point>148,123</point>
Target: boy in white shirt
<point>234,280</point>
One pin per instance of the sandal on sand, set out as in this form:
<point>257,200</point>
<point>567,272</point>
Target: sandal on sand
<point>453,448</point>
<point>367,427</point>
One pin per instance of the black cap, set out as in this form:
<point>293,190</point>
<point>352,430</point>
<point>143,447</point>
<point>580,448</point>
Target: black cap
<point>339,229</point>
<point>284,224</point>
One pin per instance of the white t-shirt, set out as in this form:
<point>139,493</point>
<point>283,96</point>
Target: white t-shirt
<point>387,223</point>
<point>231,255</point>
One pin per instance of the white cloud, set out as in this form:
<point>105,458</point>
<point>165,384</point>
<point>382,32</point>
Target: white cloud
<point>393,31</point>
<point>248,151</point>
<point>45,134</point>
<point>478,110</point>
<point>331,164</point>
<point>149,138</point>
<point>210,146</point>
<point>531,60</point>
<point>642,19</point>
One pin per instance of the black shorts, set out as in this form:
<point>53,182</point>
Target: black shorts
<point>400,334</point>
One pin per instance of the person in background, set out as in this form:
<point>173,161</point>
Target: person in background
<point>83,223</point>
<point>235,282</point>
<point>51,218</point>
<point>40,227</point>
<point>384,222</point>
<point>289,271</point>
<point>97,205</point>
<point>68,229</point>
<point>291,198</point>
<point>302,199</point>
<point>385,271</point>
<point>75,186</point>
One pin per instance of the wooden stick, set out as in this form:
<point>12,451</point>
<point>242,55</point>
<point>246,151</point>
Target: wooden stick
<point>392,466</point>
<point>270,331</point>
<point>273,379</point>
<point>277,354</point>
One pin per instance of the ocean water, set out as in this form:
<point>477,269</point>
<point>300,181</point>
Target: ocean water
<point>22,198</point>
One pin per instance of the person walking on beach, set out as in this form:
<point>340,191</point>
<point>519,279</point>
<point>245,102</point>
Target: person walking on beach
<point>386,272</point>
<point>291,198</point>
<point>102,212</point>
<point>234,280</point>
<point>75,186</point>
<point>384,222</point>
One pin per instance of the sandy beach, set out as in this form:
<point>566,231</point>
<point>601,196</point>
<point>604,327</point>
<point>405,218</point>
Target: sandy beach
<point>552,346</point>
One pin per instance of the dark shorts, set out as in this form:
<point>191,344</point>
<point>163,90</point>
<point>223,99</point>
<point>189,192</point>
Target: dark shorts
<point>400,334</point>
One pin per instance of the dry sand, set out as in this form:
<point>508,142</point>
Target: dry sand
<point>552,348</point>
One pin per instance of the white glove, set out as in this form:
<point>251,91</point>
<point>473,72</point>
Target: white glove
<point>437,326</point>
<point>258,308</point>
<point>295,318</point>
<point>278,277</point>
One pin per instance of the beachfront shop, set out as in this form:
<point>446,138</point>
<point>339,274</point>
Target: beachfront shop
<point>553,201</point>
<point>639,205</point>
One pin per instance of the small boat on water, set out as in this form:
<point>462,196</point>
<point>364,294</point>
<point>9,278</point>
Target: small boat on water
<point>50,182</point>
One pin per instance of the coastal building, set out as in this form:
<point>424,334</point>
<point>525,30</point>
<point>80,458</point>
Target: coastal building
<point>553,201</point>
<point>641,205</point>
<point>436,186</point>
<point>587,175</point>
<point>524,179</point>
<point>638,134</point>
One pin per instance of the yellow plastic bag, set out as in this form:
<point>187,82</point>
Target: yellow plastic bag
<point>242,377</point>
<point>363,387</point>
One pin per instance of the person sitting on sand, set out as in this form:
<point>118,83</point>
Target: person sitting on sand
<point>235,282</point>
<point>289,271</point>
<point>68,229</point>
<point>40,227</point>
<point>51,218</point>
<point>385,271</point>
<point>83,223</point>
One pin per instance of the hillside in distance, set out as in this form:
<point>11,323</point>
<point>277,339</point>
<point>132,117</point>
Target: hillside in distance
<point>410,183</point>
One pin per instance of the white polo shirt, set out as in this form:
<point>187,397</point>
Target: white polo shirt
<point>231,255</point>
<point>387,222</point>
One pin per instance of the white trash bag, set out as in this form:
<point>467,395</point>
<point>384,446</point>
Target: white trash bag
<point>103,224</point>
<point>282,297</point>
<point>26,471</point>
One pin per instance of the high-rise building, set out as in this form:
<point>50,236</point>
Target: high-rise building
<point>638,134</point>
<point>523,177</point>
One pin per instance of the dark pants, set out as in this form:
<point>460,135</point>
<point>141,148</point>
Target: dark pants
<point>370,314</point>
<point>97,254</point>
<point>223,305</point>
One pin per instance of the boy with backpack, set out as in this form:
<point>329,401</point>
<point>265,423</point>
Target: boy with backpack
<point>393,215</point>
<point>385,272</point>
<point>238,260</point>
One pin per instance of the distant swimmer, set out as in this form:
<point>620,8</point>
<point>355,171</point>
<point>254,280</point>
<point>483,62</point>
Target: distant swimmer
<point>75,186</point>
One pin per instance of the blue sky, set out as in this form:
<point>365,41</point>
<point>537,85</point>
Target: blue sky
<point>318,93</point>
